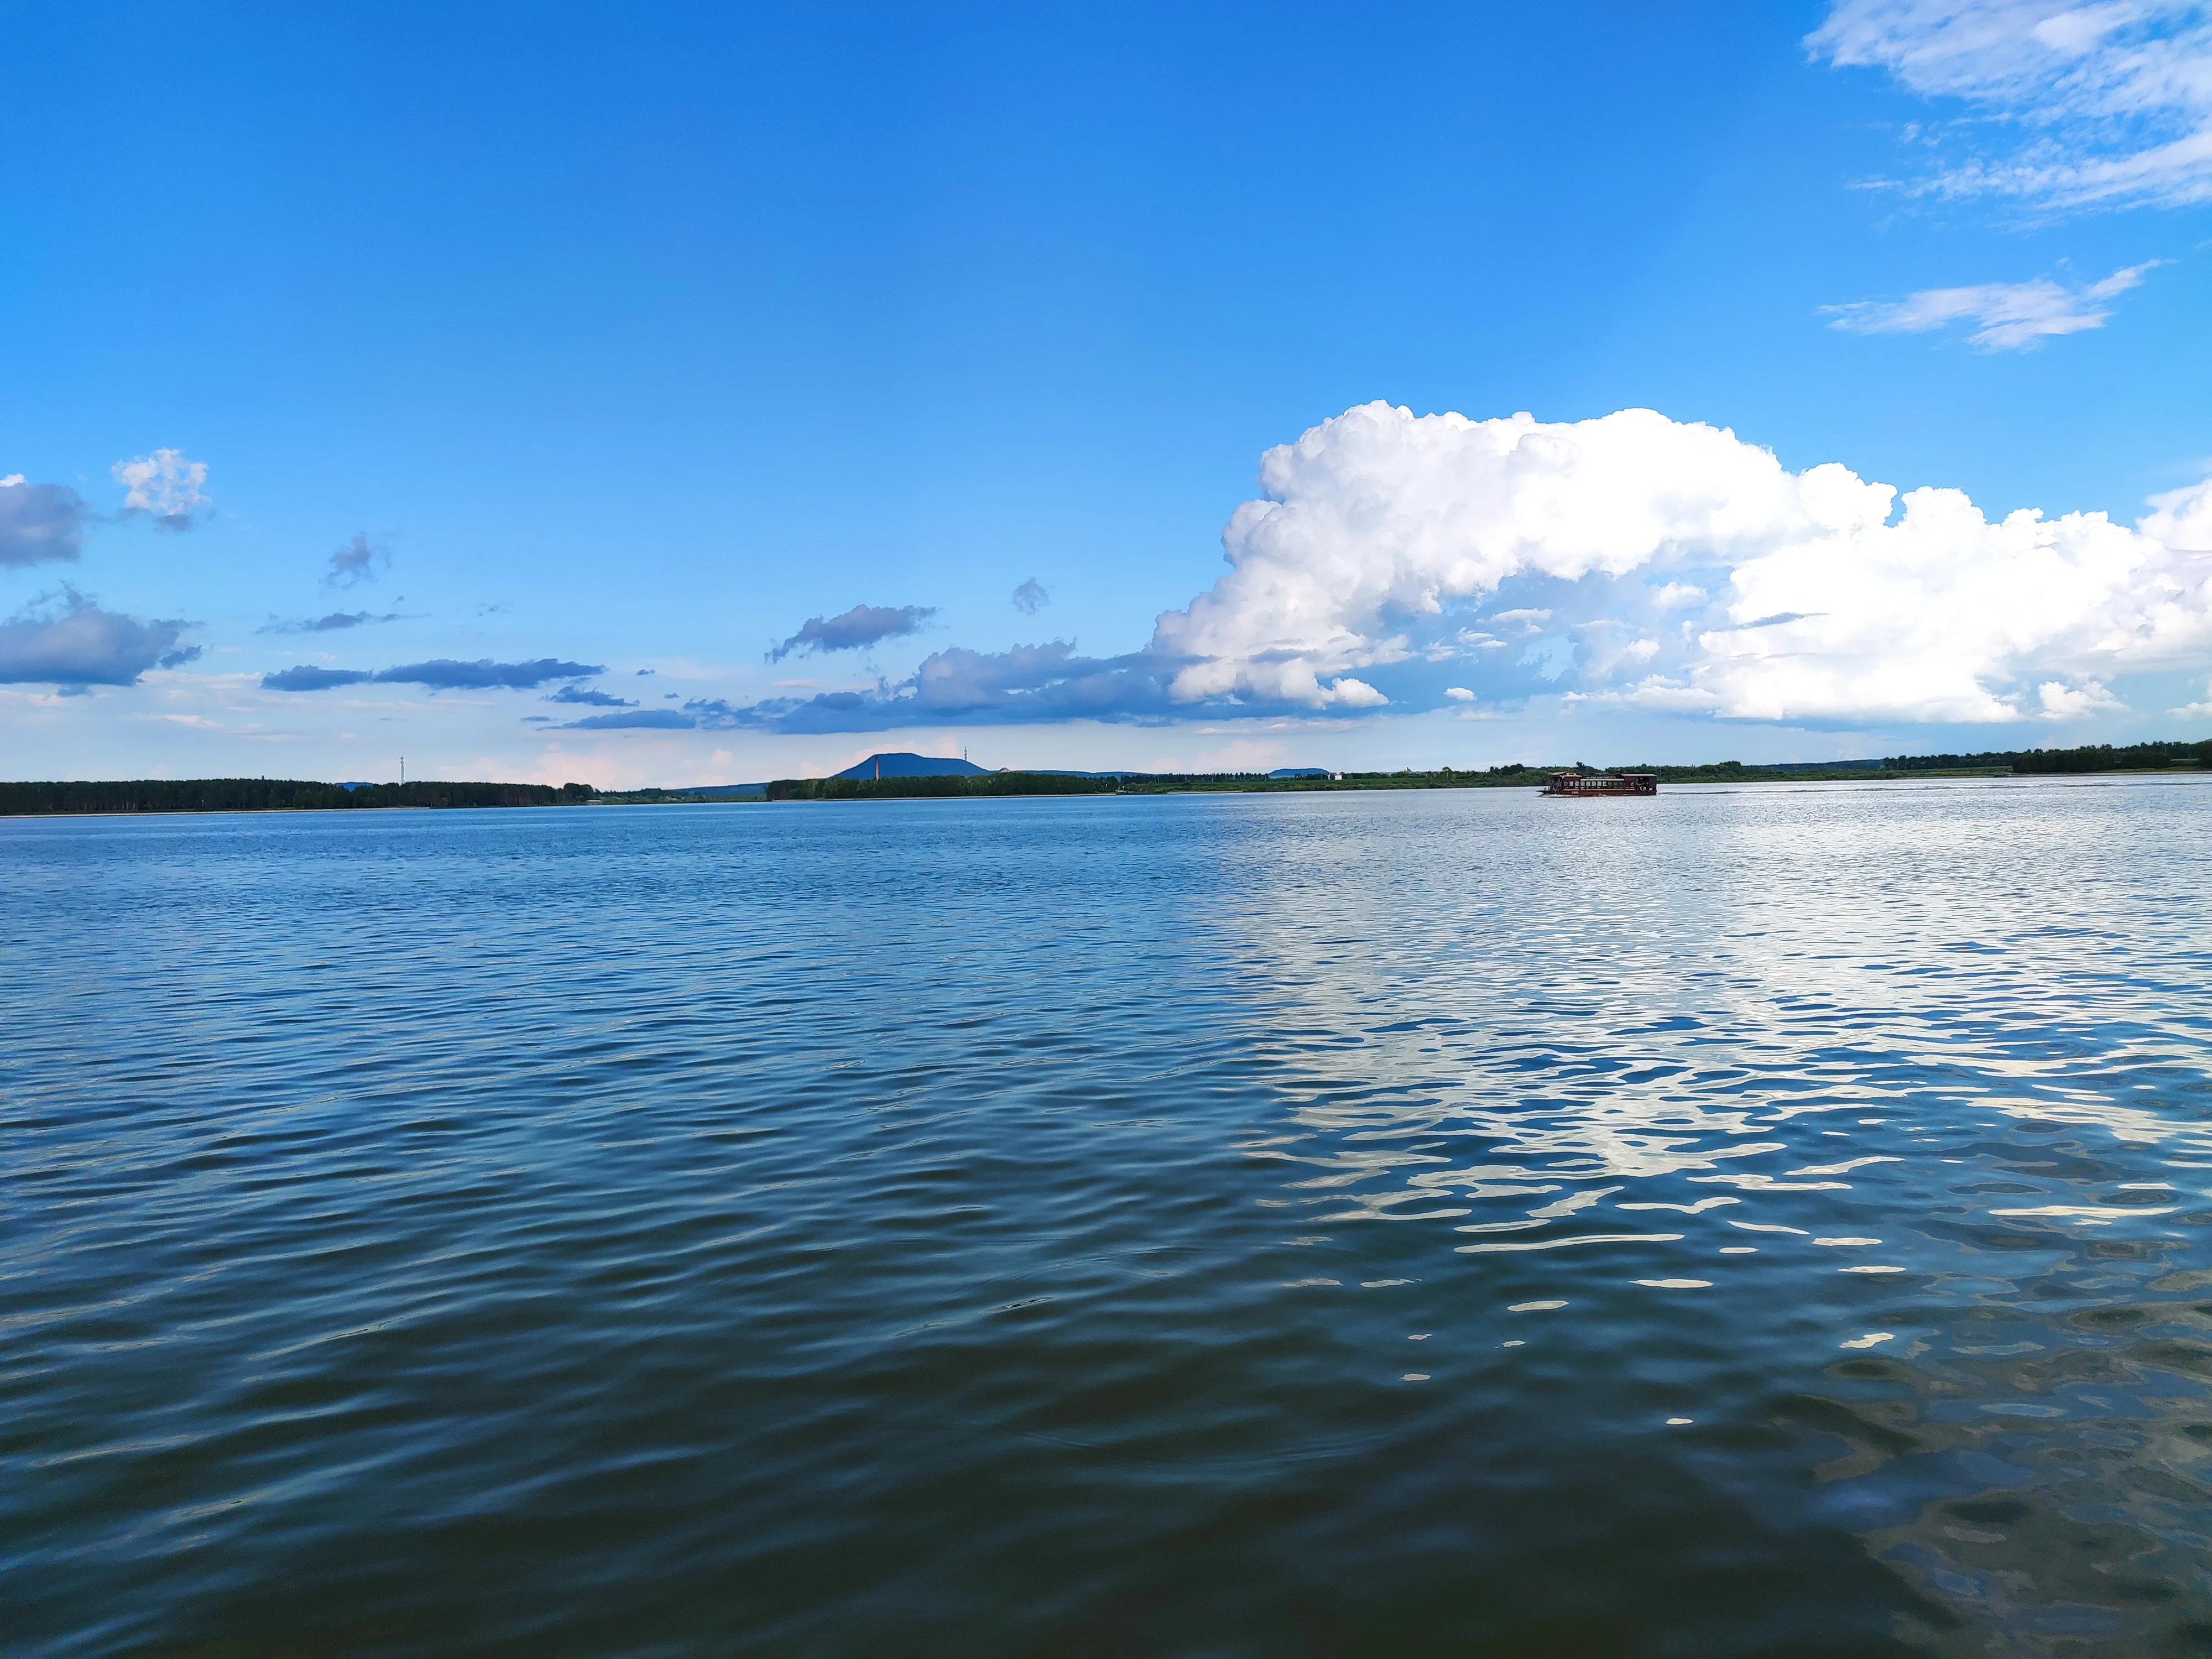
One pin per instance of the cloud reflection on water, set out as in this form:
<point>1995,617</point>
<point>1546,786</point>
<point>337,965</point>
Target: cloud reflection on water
<point>1589,1018</point>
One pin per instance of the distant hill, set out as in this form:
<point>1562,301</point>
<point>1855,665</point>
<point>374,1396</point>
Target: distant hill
<point>911,766</point>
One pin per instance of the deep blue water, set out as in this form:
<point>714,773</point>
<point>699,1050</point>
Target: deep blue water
<point>1758,1222</point>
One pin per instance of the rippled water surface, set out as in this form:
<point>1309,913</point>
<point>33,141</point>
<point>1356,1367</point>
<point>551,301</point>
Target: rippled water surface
<point>1766,1222</point>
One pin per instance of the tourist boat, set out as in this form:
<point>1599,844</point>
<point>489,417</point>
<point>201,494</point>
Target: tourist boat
<point>1603,783</point>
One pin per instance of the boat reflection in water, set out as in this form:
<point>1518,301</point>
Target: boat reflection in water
<point>1603,783</point>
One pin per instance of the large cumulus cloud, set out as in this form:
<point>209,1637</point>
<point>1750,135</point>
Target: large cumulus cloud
<point>1944,614</point>
<point>1832,603</point>
<point>1378,519</point>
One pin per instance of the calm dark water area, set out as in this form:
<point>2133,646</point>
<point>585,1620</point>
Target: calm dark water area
<point>1768,1222</point>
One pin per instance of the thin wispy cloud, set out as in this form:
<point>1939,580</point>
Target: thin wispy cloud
<point>441,674</point>
<point>445,674</point>
<point>1032,597</point>
<point>639,720</point>
<point>359,561</point>
<point>862,626</point>
<point>166,486</point>
<point>2082,105</point>
<point>590,696</point>
<point>334,622</point>
<point>1997,316</point>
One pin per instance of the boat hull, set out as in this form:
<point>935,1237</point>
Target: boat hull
<point>1583,786</point>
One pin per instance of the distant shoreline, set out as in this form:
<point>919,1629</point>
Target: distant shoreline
<point>948,780</point>
<point>124,797</point>
<point>147,797</point>
<point>1003,785</point>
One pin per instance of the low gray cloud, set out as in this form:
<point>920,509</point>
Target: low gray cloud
<point>66,640</point>
<point>635,719</point>
<point>444,674</point>
<point>306,677</point>
<point>958,686</point>
<point>1031,598</point>
<point>441,674</point>
<point>329,624</point>
<point>41,522</point>
<point>862,626</point>
<point>592,695</point>
<point>1028,684</point>
<point>357,561</point>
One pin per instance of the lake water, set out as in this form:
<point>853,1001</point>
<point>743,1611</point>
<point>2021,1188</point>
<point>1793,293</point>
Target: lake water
<point>1776,1221</point>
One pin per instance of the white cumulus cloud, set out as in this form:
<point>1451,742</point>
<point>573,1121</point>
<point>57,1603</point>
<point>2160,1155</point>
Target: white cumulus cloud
<point>2002,316</point>
<point>1832,599</point>
<point>2182,518</point>
<point>1376,517</point>
<point>2098,104</point>
<point>165,484</point>
<point>2061,701</point>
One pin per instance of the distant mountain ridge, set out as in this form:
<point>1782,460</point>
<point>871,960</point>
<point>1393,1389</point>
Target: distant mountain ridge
<point>903,765</point>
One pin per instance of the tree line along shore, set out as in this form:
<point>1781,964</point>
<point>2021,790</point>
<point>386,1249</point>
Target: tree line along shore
<point>294,795</point>
<point>272,795</point>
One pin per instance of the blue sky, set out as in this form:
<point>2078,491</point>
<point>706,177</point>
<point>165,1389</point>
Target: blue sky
<point>699,394</point>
